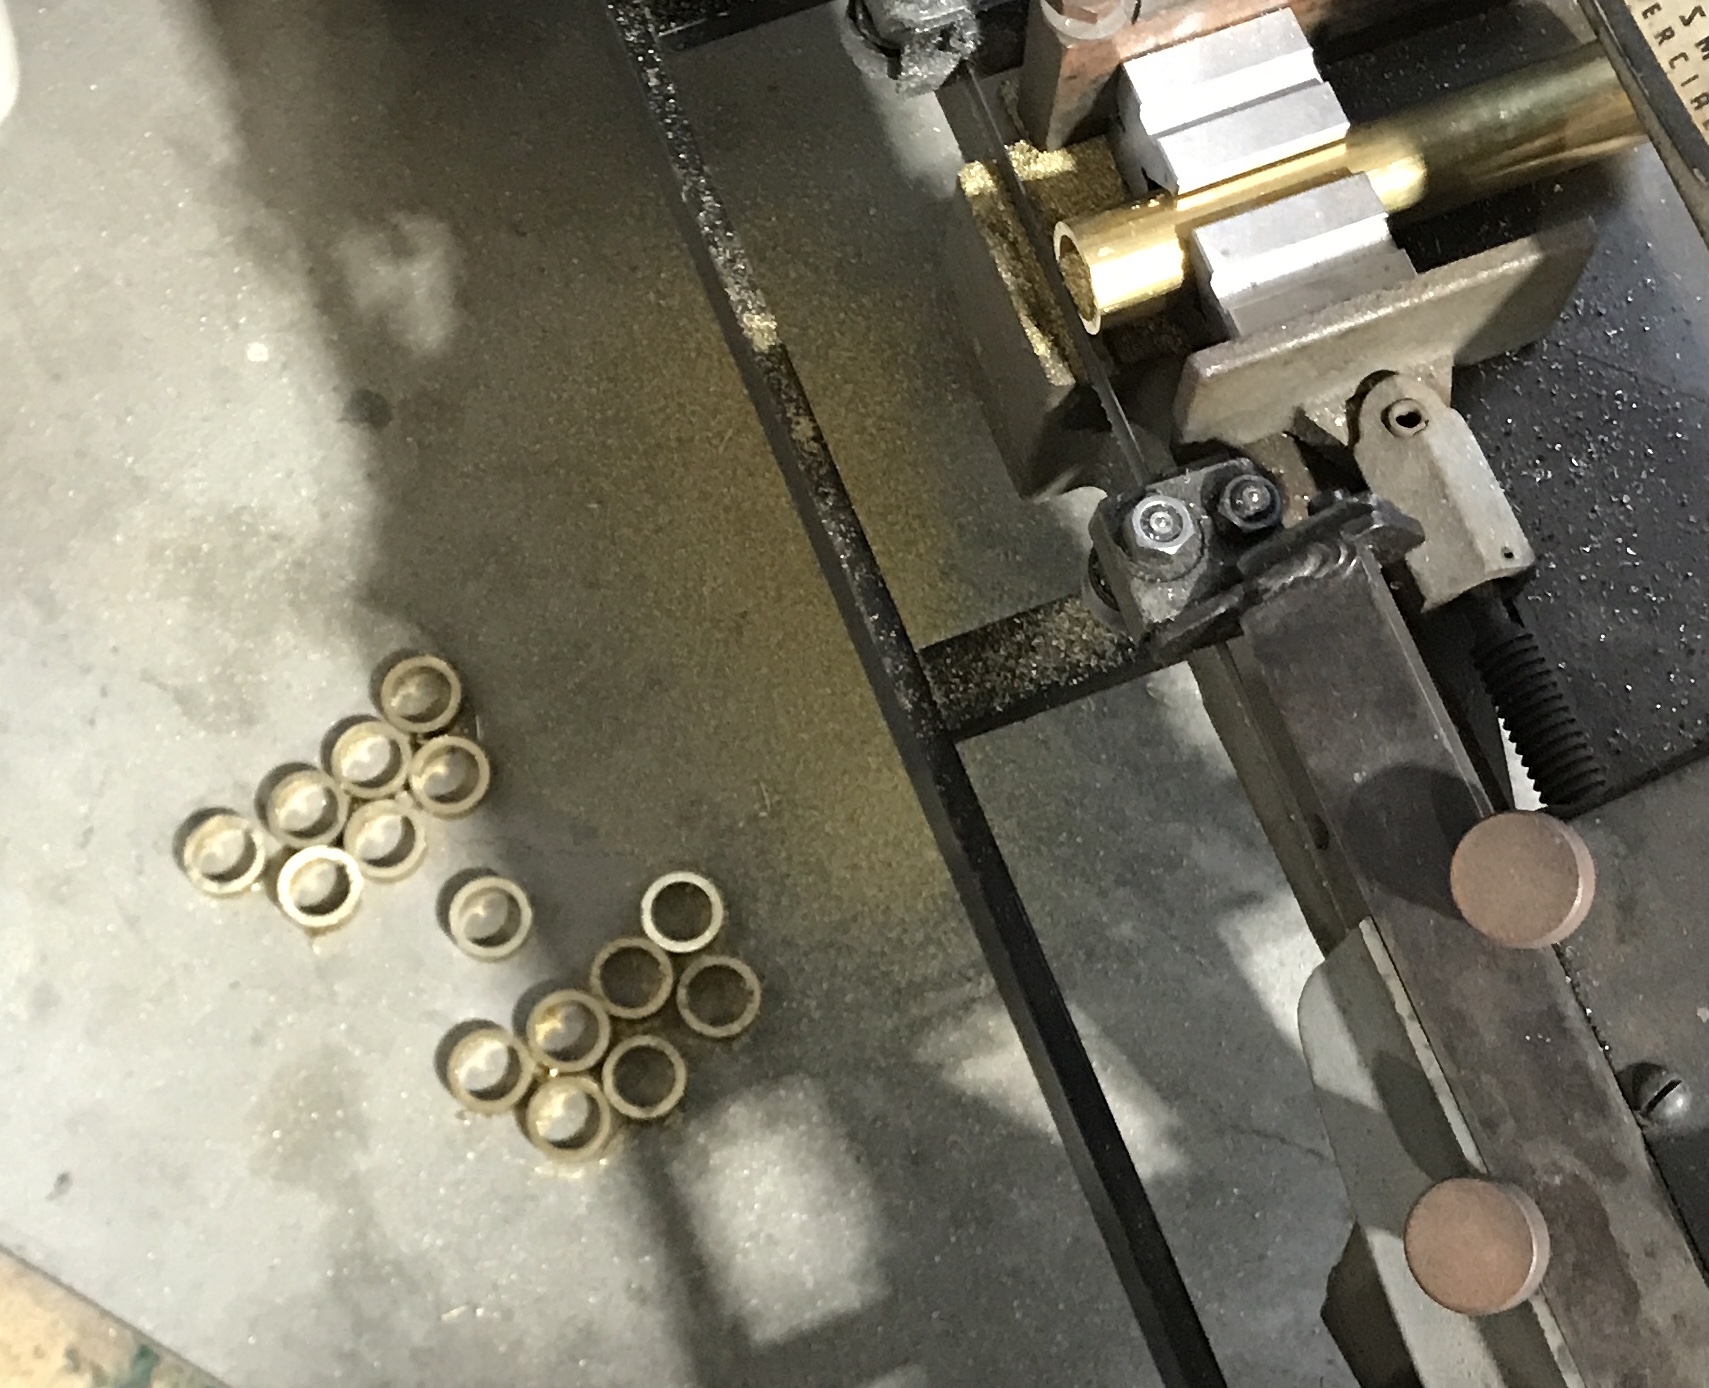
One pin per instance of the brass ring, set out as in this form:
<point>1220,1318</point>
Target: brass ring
<point>326,825</point>
<point>546,1011</point>
<point>510,937</point>
<point>718,1031</point>
<point>673,1096</point>
<point>552,1093</point>
<point>500,1094</point>
<point>468,793</point>
<point>396,688</point>
<point>354,737</point>
<point>706,887</point>
<point>200,845</point>
<point>634,1011</point>
<point>330,912</point>
<point>400,859</point>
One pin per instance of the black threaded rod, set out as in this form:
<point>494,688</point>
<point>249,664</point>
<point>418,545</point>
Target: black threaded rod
<point>1528,694</point>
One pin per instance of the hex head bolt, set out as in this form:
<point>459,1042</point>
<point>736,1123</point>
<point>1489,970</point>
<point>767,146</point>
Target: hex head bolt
<point>1160,525</point>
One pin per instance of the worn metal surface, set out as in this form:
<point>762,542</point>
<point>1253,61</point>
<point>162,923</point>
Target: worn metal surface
<point>1027,664</point>
<point>687,24</point>
<point>1431,467</point>
<point>1144,1262</point>
<point>1398,792</point>
<point>1159,555</point>
<point>1640,962</point>
<point>1356,1312</point>
<point>1396,1133</point>
<point>1475,308</point>
<point>923,41</point>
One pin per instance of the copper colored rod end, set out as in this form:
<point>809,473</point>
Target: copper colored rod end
<point>1524,879</point>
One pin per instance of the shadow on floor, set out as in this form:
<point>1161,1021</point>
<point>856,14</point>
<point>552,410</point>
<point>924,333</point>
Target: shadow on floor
<point>574,504</point>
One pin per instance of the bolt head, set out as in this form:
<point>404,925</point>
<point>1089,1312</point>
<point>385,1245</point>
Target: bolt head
<point>1660,1098</point>
<point>1161,525</point>
<point>1251,504</point>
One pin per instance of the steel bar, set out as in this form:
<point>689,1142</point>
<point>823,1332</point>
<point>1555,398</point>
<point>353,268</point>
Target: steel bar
<point>686,24</point>
<point>1639,964</point>
<point>1397,791</point>
<point>1027,664</point>
<point>1144,1263</point>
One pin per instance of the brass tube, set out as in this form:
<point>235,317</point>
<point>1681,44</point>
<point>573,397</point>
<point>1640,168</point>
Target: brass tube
<point>1534,123</point>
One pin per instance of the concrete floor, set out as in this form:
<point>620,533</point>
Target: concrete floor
<point>335,327</point>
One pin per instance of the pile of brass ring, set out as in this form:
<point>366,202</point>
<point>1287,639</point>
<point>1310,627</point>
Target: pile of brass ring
<point>593,1075</point>
<point>322,833</point>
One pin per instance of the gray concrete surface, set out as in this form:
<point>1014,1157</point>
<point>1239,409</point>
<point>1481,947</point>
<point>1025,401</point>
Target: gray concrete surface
<point>331,328</point>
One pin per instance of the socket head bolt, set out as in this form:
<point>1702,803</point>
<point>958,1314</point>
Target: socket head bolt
<point>1160,525</point>
<point>1251,504</point>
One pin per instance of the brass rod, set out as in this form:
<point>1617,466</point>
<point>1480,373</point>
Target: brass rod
<point>1533,123</point>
